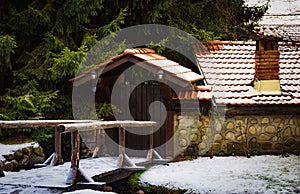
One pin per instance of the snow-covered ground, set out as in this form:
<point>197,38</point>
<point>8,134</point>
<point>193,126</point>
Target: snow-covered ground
<point>259,174</point>
<point>4,189</point>
<point>88,191</point>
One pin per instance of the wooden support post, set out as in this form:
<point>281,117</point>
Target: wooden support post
<point>57,159</point>
<point>103,148</point>
<point>150,152</point>
<point>98,141</point>
<point>121,146</point>
<point>75,146</point>
<point>124,161</point>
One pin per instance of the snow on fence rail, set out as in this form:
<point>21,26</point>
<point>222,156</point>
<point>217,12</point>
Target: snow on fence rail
<point>74,127</point>
<point>38,123</point>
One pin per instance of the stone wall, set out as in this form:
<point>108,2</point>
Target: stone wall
<point>248,134</point>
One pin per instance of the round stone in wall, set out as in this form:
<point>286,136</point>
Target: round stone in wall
<point>230,125</point>
<point>287,132</point>
<point>252,130</point>
<point>291,122</point>
<point>270,129</point>
<point>218,137</point>
<point>194,137</point>
<point>277,120</point>
<point>254,121</point>
<point>202,145</point>
<point>183,132</point>
<point>183,143</point>
<point>263,137</point>
<point>241,137</point>
<point>230,136</point>
<point>265,120</point>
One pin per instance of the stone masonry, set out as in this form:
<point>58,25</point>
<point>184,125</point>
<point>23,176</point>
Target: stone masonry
<point>248,134</point>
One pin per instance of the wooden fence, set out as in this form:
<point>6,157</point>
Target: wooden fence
<point>76,126</point>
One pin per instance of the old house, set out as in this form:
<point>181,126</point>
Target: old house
<point>258,82</point>
<point>166,81</point>
<point>251,88</point>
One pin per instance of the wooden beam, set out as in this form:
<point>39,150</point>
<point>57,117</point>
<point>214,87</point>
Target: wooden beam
<point>38,123</point>
<point>64,128</point>
<point>115,64</point>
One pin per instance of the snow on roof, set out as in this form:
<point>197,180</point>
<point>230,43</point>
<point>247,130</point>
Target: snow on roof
<point>279,12</point>
<point>278,6</point>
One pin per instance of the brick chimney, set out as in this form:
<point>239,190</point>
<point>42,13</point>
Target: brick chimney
<point>267,67</point>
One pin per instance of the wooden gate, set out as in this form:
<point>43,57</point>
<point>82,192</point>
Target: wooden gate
<point>140,100</point>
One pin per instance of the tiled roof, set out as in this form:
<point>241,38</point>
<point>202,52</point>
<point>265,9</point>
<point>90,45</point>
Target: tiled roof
<point>200,93</point>
<point>158,62</point>
<point>289,33</point>
<point>153,59</point>
<point>229,68</point>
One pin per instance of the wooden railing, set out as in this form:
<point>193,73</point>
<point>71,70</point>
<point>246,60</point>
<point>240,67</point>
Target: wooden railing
<point>75,127</point>
<point>123,162</point>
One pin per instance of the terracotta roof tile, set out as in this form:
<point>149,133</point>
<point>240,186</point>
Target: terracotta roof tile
<point>230,72</point>
<point>158,62</point>
<point>152,58</point>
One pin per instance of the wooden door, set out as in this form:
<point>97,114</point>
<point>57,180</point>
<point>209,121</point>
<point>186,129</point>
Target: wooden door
<point>140,100</point>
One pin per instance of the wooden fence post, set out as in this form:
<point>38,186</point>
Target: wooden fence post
<point>75,144</point>
<point>150,152</point>
<point>57,158</point>
<point>121,146</point>
<point>98,143</point>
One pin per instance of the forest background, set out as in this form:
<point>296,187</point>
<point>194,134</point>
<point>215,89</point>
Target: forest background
<point>43,42</point>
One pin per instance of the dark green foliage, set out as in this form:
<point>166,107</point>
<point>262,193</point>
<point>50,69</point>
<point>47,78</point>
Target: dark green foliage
<point>7,46</point>
<point>106,110</point>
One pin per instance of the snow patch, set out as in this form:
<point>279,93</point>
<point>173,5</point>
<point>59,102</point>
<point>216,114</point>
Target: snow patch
<point>89,191</point>
<point>260,174</point>
<point>6,149</point>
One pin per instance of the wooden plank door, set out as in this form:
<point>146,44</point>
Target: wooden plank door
<point>140,100</point>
